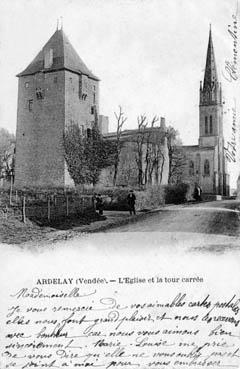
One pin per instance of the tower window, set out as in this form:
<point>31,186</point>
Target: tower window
<point>206,125</point>
<point>92,109</point>
<point>48,58</point>
<point>26,84</point>
<point>39,93</point>
<point>211,125</point>
<point>80,87</point>
<point>30,105</point>
<point>94,98</point>
<point>191,168</point>
<point>206,168</point>
<point>55,79</point>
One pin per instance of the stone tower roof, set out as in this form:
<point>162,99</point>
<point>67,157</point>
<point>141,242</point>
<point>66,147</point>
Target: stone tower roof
<point>62,56</point>
<point>210,76</point>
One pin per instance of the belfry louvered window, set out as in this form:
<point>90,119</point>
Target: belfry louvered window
<point>211,125</point>
<point>206,125</point>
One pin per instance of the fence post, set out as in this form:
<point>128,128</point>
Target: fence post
<point>16,198</point>
<point>11,189</point>
<point>83,204</point>
<point>67,206</point>
<point>24,210</point>
<point>49,208</point>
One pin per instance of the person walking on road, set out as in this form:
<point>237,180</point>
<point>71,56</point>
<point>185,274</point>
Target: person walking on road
<point>131,199</point>
<point>99,204</point>
<point>94,201</point>
<point>197,193</point>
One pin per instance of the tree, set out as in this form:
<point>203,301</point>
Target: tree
<point>177,160</point>
<point>7,154</point>
<point>74,153</point>
<point>86,155</point>
<point>142,125</point>
<point>150,153</point>
<point>121,119</point>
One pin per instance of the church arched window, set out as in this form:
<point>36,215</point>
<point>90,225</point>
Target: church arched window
<point>198,163</point>
<point>206,125</point>
<point>191,168</point>
<point>206,168</point>
<point>211,125</point>
<point>89,132</point>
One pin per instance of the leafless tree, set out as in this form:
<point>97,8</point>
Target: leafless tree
<point>177,160</point>
<point>150,151</point>
<point>121,119</point>
<point>142,125</point>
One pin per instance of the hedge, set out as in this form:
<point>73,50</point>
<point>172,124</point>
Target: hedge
<point>177,193</point>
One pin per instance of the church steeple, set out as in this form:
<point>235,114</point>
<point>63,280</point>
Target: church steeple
<point>210,92</point>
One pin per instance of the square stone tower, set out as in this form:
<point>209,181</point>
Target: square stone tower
<point>54,91</point>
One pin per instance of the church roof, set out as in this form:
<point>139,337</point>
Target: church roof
<point>210,76</point>
<point>63,57</point>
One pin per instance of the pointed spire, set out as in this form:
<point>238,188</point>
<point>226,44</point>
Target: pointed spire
<point>210,91</point>
<point>210,77</point>
<point>64,57</point>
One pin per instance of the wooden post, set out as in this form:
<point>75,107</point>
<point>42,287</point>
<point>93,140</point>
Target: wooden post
<point>49,208</point>
<point>16,198</point>
<point>67,206</point>
<point>24,210</point>
<point>6,216</point>
<point>11,188</point>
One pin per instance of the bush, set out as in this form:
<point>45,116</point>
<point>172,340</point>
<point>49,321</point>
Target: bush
<point>151,198</point>
<point>176,194</point>
<point>115,198</point>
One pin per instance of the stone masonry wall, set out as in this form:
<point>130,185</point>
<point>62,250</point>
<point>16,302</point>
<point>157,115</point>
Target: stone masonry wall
<point>39,159</point>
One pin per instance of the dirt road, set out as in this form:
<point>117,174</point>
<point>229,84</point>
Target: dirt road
<point>219,217</point>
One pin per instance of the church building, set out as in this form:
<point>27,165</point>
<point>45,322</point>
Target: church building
<point>205,163</point>
<point>55,90</point>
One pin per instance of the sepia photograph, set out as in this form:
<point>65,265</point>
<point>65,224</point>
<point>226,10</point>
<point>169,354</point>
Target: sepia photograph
<point>119,116</point>
<point>119,184</point>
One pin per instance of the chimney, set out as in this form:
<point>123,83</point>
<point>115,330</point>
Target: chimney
<point>162,123</point>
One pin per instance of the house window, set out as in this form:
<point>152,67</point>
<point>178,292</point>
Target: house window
<point>55,79</point>
<point>26,84</point>
<point>211,125</point>
<point>88,132</point>
<point>30,105</point>
<point>206,125</point>
<point>191,168</point>
<point>206,168</point>
<point>81,130</point>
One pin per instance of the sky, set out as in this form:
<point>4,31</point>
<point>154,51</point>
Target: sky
<point>149,54</point>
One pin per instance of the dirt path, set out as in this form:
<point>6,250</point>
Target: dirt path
<point>219,217</point>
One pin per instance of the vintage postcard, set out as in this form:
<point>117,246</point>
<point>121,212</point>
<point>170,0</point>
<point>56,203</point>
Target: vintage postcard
<point>120,184</point>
